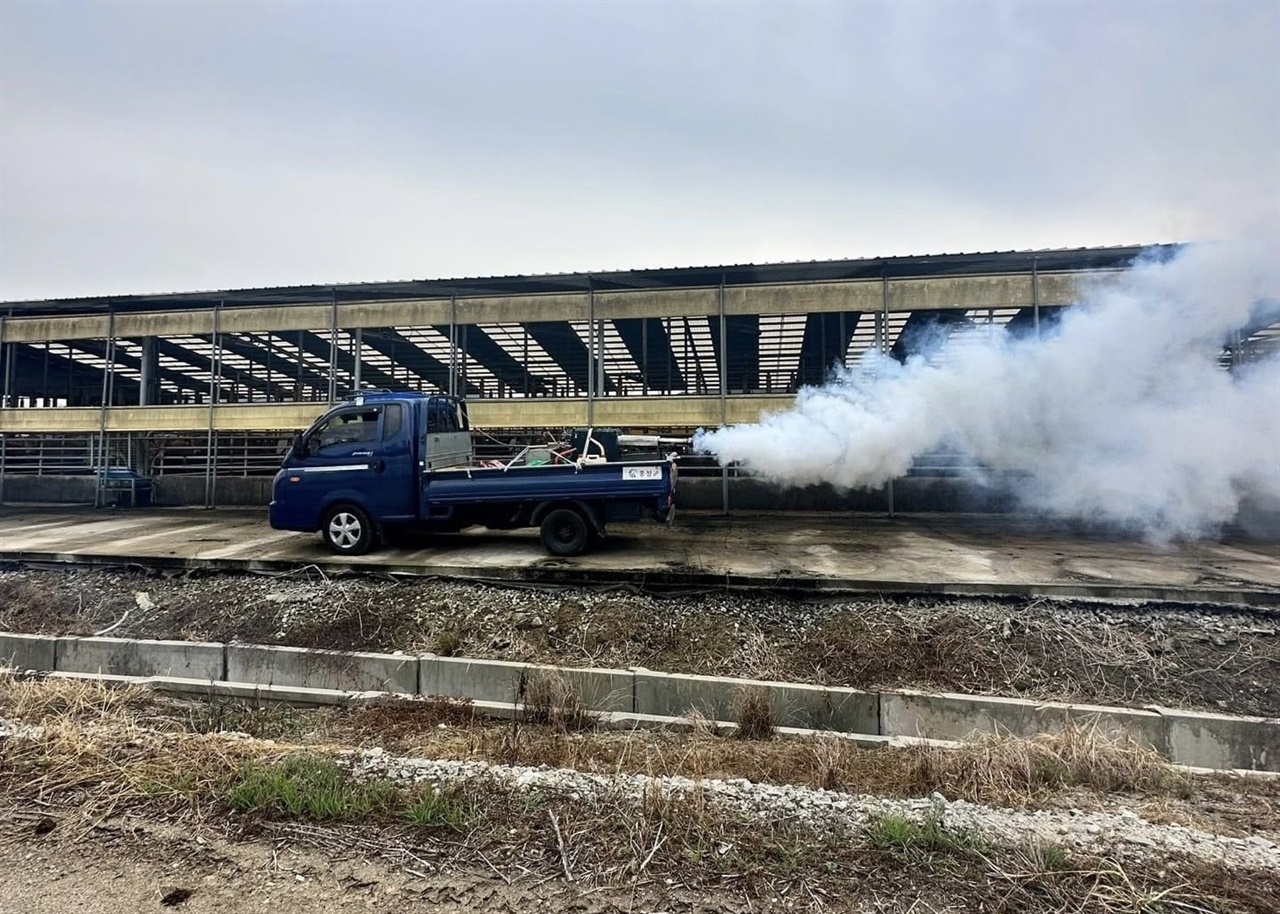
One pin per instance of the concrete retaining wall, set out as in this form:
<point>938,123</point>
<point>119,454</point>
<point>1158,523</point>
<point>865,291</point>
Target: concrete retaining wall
<point>127,657</point>
<point>28,652</point>
<point>1222,741</point>
<point>1194,739</point>
<point>344,671</point>
<point>909,494</point>
<point>229,491</point>
<point>951,716</point>
<point>499,680</point>
<point>793,705</point>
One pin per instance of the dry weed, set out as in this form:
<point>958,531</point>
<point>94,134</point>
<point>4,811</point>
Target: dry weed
<point>37,700</point>
<point>1011,769</point>
<point>550,700</point>
<point>754,715</point>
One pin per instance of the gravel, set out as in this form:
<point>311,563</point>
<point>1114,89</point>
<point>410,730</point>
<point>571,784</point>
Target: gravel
<point>1122,833</point>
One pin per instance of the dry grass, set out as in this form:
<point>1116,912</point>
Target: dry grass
<point>550,701</point>
<point>998,765</point>
<point>555,731</point>
<point>36,699</point>
<point>754,715</point>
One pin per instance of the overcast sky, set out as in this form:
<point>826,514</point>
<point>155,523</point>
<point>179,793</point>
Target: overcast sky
<point>149,147</point>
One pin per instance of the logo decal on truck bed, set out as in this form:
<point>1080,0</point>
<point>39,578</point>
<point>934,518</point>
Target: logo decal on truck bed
<point>642,472</point>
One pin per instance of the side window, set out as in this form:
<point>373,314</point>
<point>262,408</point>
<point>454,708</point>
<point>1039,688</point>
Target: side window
<point>344,429</point>
<point>441,417</point>
<point>394,420</point>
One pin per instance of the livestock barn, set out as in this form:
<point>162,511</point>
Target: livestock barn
<point>201,392</point>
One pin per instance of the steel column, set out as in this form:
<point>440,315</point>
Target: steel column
<point>9,351</point>
<point>357,345</point>
<point>453,345</point>
<point>108,362</point>
<point>215,392</point>
<point>1035,295</point>
<point>591,352</point>
<point>724,374</point>
<point>333,345</point>
<point>884,347</point>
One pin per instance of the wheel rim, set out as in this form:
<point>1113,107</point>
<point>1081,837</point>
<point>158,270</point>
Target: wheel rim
<point>565,532</point>
<point>344,530</point>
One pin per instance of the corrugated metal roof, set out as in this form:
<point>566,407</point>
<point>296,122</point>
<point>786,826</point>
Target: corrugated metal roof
<point>893,267</point>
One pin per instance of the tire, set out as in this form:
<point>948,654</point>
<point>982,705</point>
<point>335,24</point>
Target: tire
<point>347,530</point>
<point>565,532</point>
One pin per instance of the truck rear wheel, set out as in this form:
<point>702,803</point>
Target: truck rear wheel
<point>346,530</point>
<point>565,532</point>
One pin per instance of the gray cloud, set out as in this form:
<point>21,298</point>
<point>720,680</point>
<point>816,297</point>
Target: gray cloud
<point>148,146</point>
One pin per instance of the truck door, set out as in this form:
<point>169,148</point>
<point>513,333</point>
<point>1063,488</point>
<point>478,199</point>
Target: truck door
<point>445,442</point>
<point>360,454</point>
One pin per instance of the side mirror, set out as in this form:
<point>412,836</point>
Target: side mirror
<point>299,446</point>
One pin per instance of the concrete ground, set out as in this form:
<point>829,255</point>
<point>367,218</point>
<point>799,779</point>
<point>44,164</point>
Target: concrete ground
<point>781,551</point>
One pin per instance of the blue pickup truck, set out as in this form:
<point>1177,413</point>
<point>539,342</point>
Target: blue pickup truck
<point>383,462</point>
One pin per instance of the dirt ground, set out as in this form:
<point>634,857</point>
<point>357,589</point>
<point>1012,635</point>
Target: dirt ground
<point>1203,657</point>
<point>136,865</point>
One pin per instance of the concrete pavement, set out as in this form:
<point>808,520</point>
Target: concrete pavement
<point>802,553</point>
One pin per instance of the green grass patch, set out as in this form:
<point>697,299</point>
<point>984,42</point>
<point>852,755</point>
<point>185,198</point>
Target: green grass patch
<point>920,840</point>
<point>435,809</point>
<point>312,788</point>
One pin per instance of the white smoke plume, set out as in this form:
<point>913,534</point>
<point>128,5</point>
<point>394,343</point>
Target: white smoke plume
<point>1121,414</point>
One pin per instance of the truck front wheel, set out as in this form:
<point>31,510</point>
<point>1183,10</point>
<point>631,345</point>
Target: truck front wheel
<point>565,532</point>
<point>346,530</point>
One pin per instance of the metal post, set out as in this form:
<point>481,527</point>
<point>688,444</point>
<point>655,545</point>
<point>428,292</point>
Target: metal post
<point>333,345</point>
<point>271,387</point>
<point>10,353</point>
<point>844,344</point>
<point>357,345</point>
<point>298,395</point>
<point>147,382</point>
<point>462,361</point>
<point>884,347</point>
<point>724,405</point>
<point>591,338</point>
<point>102,462</point>
<point>215,391</point>
<point>453,345</point>
<point>601,387</point>
<point>1035,296</point>
<point>644,356</point>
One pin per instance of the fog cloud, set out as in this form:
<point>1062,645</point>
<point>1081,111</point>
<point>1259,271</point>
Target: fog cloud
<point>1120,414</point>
